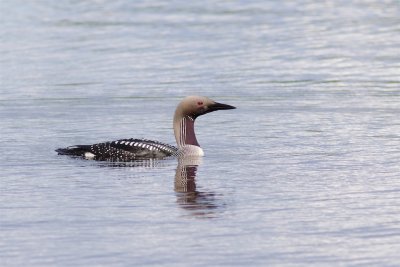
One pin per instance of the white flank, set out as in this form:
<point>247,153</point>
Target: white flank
<point>89,155</point>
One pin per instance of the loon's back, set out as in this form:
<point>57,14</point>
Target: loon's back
<point>121,150</point>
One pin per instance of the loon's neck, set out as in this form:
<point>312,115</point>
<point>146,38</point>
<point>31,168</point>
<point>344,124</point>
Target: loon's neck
<point>184,131</point>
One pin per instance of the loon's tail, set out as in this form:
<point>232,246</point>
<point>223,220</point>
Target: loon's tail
<point>73,150</point>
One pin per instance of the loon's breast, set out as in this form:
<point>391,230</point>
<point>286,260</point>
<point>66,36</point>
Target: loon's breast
<point>121,150</point>
<point>191,150</point>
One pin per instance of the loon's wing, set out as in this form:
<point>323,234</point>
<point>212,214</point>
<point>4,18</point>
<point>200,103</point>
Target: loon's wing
<point>121,150</point>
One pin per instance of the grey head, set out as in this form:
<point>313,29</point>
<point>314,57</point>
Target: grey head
<point>194,106</point>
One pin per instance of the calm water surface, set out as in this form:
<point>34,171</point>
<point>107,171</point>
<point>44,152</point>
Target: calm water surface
<point>305,172</point>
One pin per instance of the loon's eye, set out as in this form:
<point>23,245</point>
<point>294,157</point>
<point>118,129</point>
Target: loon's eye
<point>200,103</point>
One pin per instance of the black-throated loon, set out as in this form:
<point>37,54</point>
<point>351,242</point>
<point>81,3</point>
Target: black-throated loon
<point>136,149</point>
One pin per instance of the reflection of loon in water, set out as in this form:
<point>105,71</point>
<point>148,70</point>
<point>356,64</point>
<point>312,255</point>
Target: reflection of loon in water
<point>189,198</point>
<point>199,203</point>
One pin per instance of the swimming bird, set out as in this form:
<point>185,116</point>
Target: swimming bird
<point>185,115</point>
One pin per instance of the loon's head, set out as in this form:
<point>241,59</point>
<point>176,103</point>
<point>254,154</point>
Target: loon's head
<point>195,106</point>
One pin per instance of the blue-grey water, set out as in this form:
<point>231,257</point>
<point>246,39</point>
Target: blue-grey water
<point>305,172</point>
